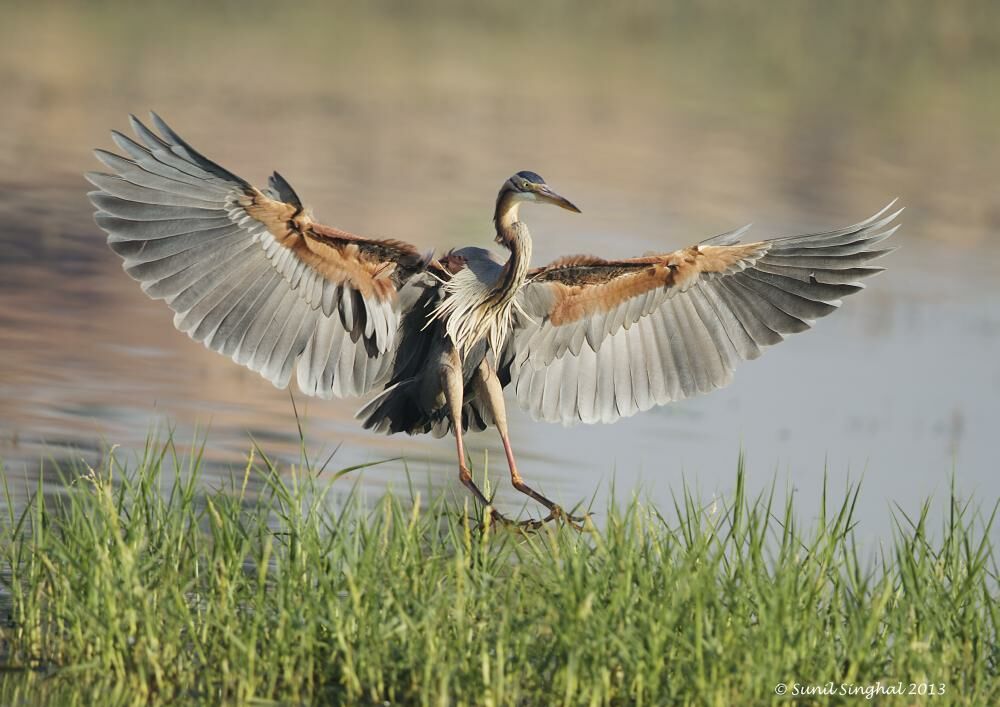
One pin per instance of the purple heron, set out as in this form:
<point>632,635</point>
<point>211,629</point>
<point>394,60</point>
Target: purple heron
<point>250,273</point>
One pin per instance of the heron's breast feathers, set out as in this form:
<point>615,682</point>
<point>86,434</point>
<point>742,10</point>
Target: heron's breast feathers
<point>471,311</point>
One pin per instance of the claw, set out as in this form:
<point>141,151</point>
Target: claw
<point>492,516</point>
<point>557,513</point>
<point>498,517</point>
<point>531,524</point>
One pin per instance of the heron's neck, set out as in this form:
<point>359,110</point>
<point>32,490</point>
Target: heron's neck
<point>513,235</point>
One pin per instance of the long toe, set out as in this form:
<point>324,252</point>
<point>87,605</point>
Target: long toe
<point>531,523</point>
<point>557,513</point>
<point>491,516</point>
<point>498,517</point>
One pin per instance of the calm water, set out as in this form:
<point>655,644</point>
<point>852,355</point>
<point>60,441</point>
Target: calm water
<point>664,127</point>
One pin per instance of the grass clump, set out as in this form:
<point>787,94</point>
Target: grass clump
<point>138,585</point>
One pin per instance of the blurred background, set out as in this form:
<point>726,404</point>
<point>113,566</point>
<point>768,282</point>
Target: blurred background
<point>665,122</point>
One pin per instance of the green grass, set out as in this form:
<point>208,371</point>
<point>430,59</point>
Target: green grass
<point>131,587</point>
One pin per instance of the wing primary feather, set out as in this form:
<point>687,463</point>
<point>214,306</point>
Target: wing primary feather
<point>713,345</point>
<point>739,335</point>
<point>162,261</point>
<point>790,303</point>
<point>152,162</point>
<point>825,262</point>
<point>141,176</point>
<point>137,211</point>
<point>717,330</point>
<point>163,153</point>
<point>851,247</point>
<point>180,286</point>
<point>176,141</point>
<point>124,189</point>
<point>735,300</point>
<point>847,276</point>
<point>767,311</point>
<point>816,291</point>
<point>835,237</point>
<point>139,251</point>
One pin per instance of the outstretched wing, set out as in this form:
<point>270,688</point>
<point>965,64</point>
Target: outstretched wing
<point>248,272</point>
<point>596,340</point>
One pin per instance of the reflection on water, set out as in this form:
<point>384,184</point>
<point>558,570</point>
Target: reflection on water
<point>665,126</point>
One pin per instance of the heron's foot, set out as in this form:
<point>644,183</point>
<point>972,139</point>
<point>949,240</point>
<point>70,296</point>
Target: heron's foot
<point>492,517</point>
<point>555,510</point>
<point>502,521</point>
<point>498,519</point>
<point>529,524</point>
<point>557,513</point>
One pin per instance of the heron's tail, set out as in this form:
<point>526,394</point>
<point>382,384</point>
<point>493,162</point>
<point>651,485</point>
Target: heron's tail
<point>398,409</point>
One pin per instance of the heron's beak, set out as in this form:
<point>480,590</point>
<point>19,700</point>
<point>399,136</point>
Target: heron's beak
<point>546,194</point>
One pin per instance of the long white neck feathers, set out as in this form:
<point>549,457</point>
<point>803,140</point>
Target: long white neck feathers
<point>472,308</point>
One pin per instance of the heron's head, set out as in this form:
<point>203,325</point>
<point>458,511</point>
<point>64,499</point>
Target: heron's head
<point>528,187</point>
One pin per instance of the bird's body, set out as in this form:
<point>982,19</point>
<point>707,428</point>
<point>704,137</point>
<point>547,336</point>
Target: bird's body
<point>253,276</point>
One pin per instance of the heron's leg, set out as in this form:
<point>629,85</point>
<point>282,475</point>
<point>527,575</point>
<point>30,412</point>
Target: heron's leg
<point>453,384</point>
<point>492,392</point>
